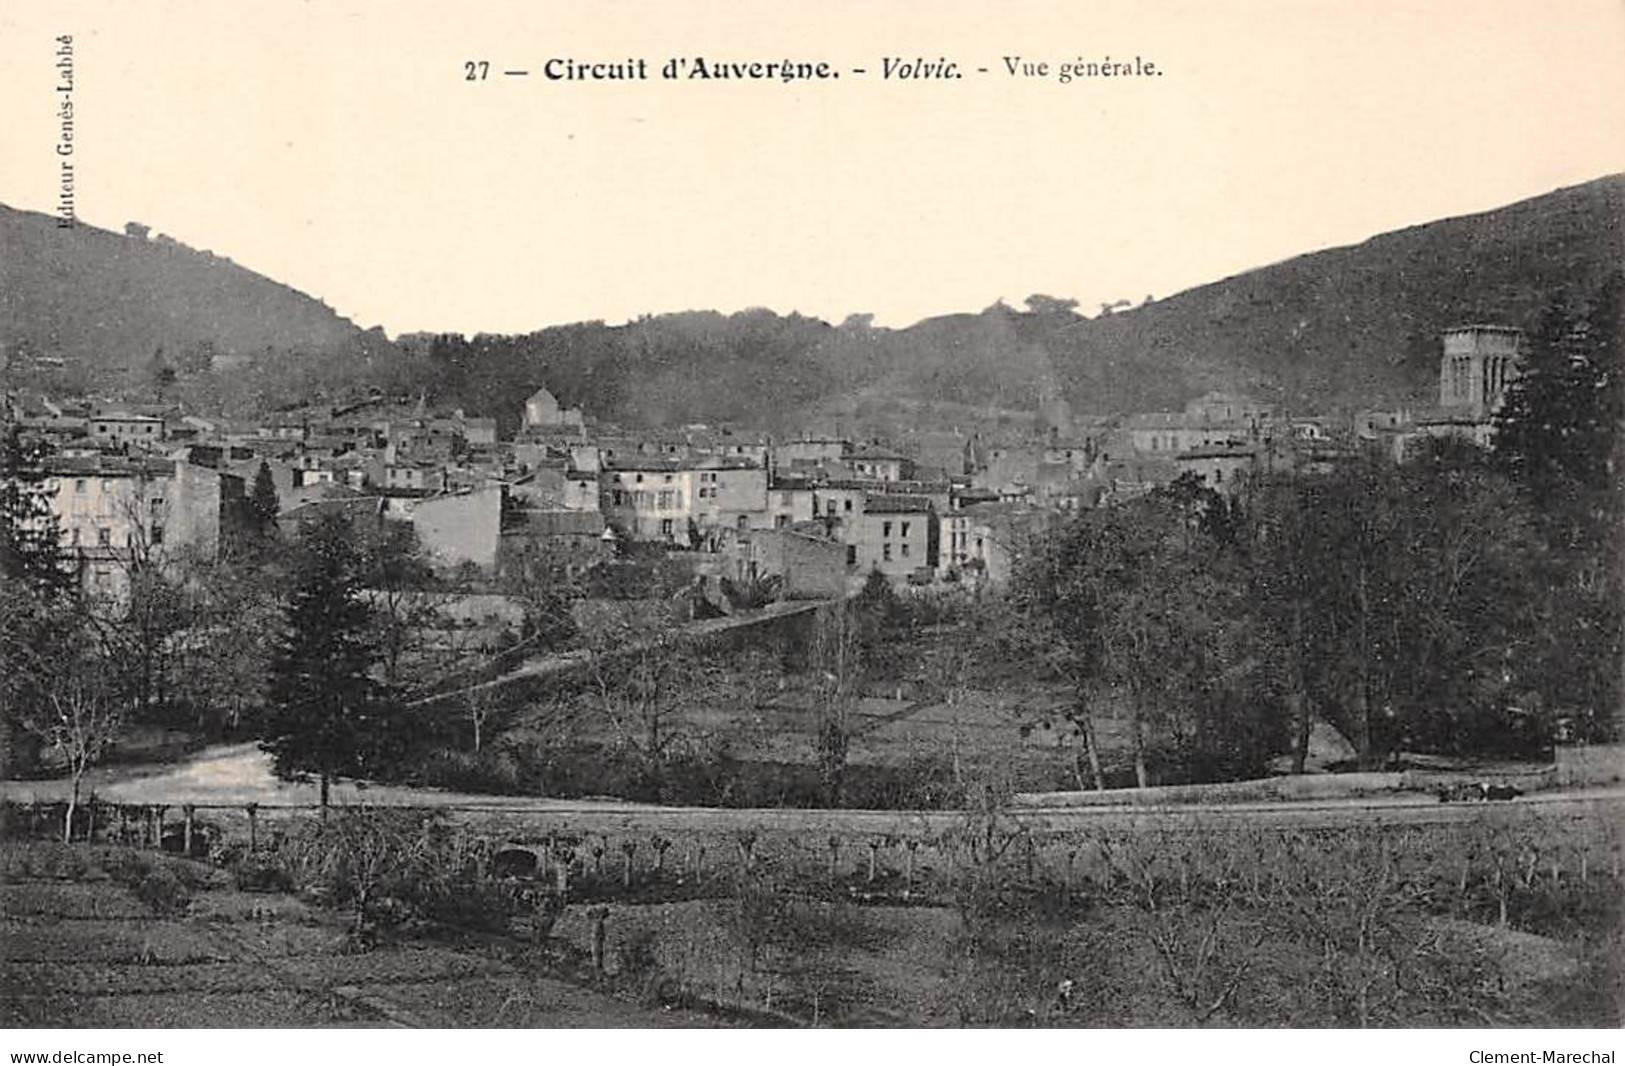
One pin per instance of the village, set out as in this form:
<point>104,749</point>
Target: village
<point>815,514</point>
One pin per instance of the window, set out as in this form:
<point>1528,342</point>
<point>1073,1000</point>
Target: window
<point>885,552</point>
<point>639,479</point>
<point>157,533</point>
<point>742,522</point>
<point>905,529</point>
<point>847,506</point>
<point>885,529</point>
<point>781,521</point>
<point>73,535</point>
<point>905,549</point>
<point>618,498</point>
<point>103,535</point>
<point>79,485</point>
<point>851,555</point>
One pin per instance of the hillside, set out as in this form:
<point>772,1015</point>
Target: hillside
<point>105,303</point>
<point>1329,330</point>
<point>1352,325</point>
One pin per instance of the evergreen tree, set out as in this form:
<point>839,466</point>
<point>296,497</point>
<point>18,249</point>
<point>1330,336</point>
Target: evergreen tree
<point>37,608</point>
<point>326,716</point>
<point>1559,428</point>
<point>1559,436</point>
<point>263,503</point>
<point>30,539</point>
<point>161,373</point>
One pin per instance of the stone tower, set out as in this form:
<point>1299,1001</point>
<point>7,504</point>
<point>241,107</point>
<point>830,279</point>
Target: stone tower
<point>1478,364</point>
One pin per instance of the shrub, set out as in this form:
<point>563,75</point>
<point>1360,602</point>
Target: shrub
<point>492,771</point>
<point>155,884</point>
<point>261,873</point>
<point>640,959</point>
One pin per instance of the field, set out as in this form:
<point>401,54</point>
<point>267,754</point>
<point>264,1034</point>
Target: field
<point>907,746</point>
<point>1511,918</point>
<point>87,945</point>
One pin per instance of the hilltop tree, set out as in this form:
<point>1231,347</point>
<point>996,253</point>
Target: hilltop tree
<point>1061,307</point>
<point>326,716</point>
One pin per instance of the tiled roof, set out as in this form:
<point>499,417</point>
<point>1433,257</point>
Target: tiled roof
<point>896,504</point>
<point>107,466</point>
<point>558,523</point>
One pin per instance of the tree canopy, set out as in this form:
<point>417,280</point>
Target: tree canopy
<point>327,716</point>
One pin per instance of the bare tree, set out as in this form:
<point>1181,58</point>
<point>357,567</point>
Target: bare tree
<point>837,674</point>
<point>79,716</point>
<point>480,703</point>
<point>645,679</point>
<point>1190,892</point>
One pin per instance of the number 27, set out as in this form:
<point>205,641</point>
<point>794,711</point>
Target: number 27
<point>476,69</point>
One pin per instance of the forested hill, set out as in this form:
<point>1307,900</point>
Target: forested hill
<point>1328,330</point>
<point>105,304</point>
<point>1357,324</point>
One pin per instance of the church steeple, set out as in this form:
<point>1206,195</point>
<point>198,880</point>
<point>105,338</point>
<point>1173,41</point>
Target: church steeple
<point>1477,365</point>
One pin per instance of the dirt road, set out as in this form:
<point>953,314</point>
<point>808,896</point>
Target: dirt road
<point>230,777</point>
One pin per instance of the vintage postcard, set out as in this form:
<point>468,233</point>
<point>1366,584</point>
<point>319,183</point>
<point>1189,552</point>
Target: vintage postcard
<point>883,515</point>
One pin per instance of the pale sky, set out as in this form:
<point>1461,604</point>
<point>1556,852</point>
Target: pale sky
<point>334,145</point>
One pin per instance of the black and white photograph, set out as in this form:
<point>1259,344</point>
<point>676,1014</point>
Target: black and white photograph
<point>857,515</point>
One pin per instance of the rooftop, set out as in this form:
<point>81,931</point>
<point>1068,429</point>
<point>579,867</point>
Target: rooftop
<point>896,504</point>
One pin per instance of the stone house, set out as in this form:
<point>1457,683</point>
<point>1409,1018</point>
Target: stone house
<point>807,564</point>
<point>114,512</point>
<point>896,535</point>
